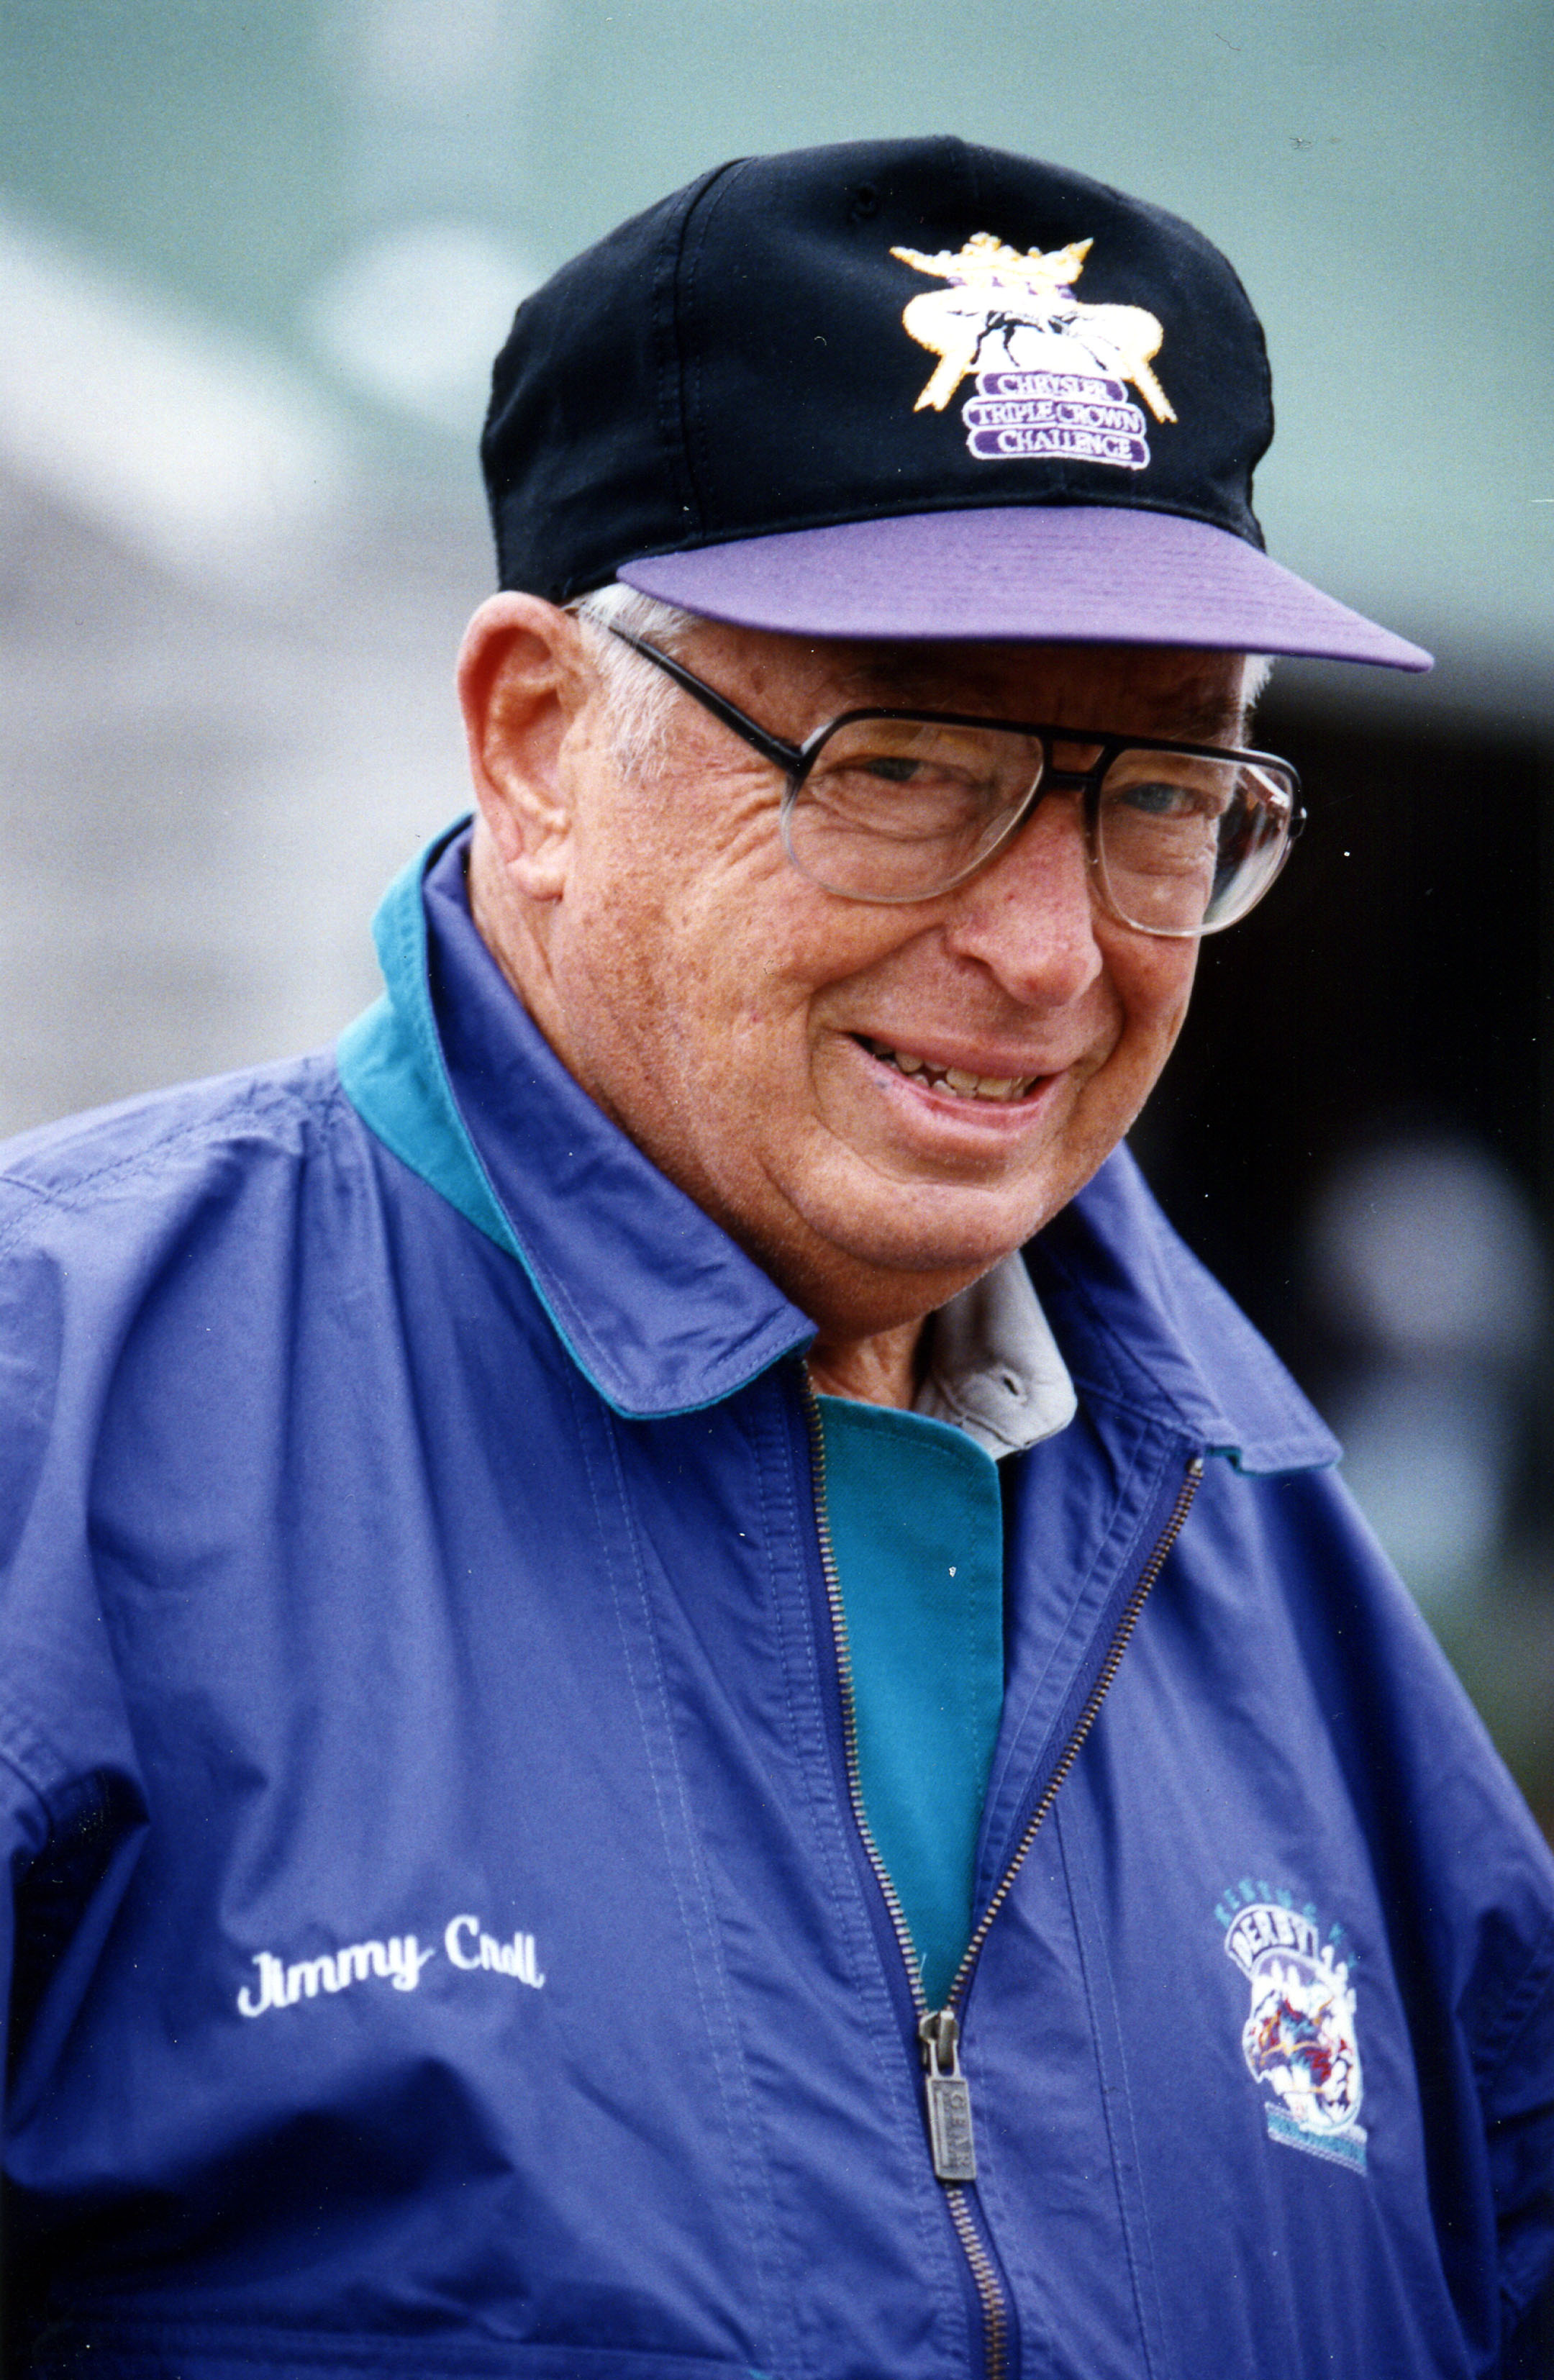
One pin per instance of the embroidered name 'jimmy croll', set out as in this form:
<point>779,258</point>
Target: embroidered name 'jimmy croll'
<point>1051,370</point>
<point>398,1962</point>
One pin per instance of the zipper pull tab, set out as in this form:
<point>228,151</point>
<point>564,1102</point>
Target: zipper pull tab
<point>949,2099</point>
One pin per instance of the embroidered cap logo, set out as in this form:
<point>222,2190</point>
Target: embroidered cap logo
<point>1051,371</point>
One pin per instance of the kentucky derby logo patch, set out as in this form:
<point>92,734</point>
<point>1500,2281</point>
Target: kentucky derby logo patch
<point>1299,2038</point>
<point>1050,370</point>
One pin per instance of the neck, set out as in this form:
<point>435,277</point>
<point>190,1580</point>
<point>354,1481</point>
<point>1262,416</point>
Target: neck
<point>880,1370</point>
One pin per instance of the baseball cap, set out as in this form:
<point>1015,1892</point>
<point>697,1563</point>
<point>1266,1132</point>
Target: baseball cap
<point>905,389</point>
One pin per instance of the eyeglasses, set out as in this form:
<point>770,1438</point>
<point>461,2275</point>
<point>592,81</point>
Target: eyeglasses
<point>898,806</point>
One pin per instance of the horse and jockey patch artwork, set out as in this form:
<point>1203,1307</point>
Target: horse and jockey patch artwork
<point>1299,2038</point>
<point>1051,371</point>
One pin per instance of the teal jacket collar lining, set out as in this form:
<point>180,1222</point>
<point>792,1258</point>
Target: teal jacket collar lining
<point>657,1307</point>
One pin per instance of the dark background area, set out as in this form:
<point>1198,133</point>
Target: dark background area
<point>1395,982</point>
<point>1393,993</point>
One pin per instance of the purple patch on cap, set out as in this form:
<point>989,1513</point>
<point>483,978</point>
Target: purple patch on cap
<point>1090,443</point>
<point>1055,413</point>
<point>1063,573</point>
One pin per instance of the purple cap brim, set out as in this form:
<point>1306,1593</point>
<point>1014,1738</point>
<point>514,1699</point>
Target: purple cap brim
<point>1060,574</point>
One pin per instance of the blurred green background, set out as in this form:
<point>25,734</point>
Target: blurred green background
<point>1381,174</point>
<point>254,257</point>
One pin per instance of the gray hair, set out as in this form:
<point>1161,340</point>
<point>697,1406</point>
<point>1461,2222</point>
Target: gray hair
<point>636,694</point>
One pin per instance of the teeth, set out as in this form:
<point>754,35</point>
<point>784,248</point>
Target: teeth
<point>965,1085</point>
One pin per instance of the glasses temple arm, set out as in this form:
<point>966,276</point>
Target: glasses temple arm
<point>789,758</point>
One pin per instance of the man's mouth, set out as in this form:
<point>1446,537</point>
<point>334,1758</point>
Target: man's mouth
<point>953,1080</point>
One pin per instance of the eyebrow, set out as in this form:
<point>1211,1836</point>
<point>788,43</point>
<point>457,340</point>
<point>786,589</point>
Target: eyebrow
<point>905,677</point>
<point>1198,720</point>
<point>900,680</point>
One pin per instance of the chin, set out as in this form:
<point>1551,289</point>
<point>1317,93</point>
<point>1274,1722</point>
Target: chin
<point>937,1231</point>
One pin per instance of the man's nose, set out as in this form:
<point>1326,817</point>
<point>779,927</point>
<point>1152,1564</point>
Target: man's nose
<point>1030,915</point>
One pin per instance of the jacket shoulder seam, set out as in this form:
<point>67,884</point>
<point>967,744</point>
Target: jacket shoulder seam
<point>64,1195</point>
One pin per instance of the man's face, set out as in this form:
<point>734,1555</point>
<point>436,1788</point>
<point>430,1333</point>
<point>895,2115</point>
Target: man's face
<point>877,1102</point>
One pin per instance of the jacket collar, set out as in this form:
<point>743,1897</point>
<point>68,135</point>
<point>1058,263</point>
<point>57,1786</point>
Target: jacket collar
<point>656,1305</point>
<point>1143,1324</point>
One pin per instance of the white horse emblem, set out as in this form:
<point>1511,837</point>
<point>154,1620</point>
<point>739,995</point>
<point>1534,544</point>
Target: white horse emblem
<point>1016,310</point>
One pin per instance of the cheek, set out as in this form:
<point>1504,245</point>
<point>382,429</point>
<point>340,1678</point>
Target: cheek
<point>1154,983</point>
<point>1152,974</point>
<point>682,984</point>
<point>681,884</point>
<point>697,952</point>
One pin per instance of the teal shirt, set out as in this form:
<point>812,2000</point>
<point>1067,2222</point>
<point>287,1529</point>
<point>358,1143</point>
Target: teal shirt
<point>916,1527</point>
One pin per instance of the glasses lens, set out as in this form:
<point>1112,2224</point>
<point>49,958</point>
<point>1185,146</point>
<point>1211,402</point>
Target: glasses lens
<point>895,809</point>
<point>1186,846</point>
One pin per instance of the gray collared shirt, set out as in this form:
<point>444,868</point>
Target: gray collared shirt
<point>994,1369</point>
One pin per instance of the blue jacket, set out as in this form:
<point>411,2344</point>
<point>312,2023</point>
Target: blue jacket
<point>445,1944</point>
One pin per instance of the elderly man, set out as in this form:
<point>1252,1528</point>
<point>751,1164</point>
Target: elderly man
<point>677,1698</point>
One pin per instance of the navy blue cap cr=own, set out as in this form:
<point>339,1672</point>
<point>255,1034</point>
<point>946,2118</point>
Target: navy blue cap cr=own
<point>904,388</point>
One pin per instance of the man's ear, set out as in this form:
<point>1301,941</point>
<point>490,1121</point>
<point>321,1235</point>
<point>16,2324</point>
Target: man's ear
<point>522,681</point>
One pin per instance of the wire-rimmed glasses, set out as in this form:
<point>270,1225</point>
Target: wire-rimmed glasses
<point>900,806</point>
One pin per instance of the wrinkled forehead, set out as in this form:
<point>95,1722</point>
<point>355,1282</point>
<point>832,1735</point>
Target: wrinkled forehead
<point>1196,697</point>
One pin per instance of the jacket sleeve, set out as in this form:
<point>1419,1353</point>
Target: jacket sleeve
<point>71,1803</point>
<point>1465,1869</point>
<point>1518,2099</point>
<point>24,1829</point>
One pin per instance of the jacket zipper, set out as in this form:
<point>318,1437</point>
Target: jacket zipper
<point>947,2093</point>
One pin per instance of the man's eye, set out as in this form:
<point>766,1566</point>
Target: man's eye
<point>1180,801</point>
<point>1158,799</point>
<point>929,777</point>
